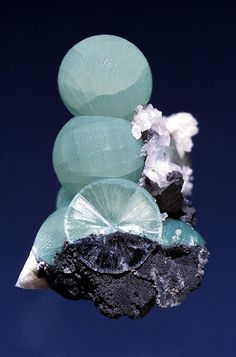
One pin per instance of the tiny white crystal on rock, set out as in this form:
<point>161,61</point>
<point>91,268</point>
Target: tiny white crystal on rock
<point>177,235</point>
<point>182,126</point>
<point>146,118</point>
<point>28,278</point>
<point>178,232</point>
<point>164,215</point>
<point>157,170</point>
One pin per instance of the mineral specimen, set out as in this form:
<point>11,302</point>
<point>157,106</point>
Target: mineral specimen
<point>112,205</point>
<point>167,140</point>
<point>177,232</point>
<point>104,75</point>
<point>89,148</point>
<point>122,235</point>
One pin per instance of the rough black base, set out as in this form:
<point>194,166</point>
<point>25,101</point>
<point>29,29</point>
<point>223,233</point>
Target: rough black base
<point>166,277</point>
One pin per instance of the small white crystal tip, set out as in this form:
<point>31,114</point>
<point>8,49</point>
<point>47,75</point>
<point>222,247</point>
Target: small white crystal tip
<point>28,278</point>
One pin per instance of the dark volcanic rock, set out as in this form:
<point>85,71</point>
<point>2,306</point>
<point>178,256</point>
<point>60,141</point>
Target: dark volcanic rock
<point>188,212</point>
<point>174,272</point>
<point>125,295</point>
<point>166,277</point>
<point>169,199</point>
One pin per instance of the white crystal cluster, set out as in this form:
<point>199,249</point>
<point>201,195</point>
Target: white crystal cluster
<point>181,127</point>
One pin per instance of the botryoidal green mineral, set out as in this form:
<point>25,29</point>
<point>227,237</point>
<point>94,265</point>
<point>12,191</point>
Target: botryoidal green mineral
<point>104,75</point>
<point>63,198</point>
<point>177,232</point>
<point>107,206</point>
<point>90,148</point>
<point>101,208</point>
<point>50,237</point>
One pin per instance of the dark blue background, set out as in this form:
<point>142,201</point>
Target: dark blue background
<point>192,53</point>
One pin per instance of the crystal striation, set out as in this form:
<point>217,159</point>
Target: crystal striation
<point>104,75</point>
<point>63,198</point>
<point>50,237</point>
<point>91,148</point>
<point>112,205</point>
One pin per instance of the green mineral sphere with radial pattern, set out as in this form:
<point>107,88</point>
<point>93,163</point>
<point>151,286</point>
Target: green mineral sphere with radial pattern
<point>111,205</point>
<point>104,75</point>
<point>50,237</point>
<point>90,148</point>
<point>177,232</point>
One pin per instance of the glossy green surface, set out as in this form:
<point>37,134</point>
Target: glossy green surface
<point>104,75</point>
<point>177,232</point>
<point>92,148</point>
<point>50,237</point>
<point>63,198</point>
<point>111,205</point>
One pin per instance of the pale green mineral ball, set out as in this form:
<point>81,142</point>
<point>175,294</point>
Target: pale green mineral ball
<point>104,75</point>
<point>91,148</point>
<point>63,198</point>
<point>111,205</point>
<point>177,232</point>
<point>50,237</point>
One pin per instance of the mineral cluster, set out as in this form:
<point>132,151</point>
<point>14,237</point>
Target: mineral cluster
<point>122,234</point>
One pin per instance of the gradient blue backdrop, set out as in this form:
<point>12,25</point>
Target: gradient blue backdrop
<point>192,53</point>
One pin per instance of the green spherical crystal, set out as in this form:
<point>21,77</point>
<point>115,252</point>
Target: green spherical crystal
<point>104,75</point>
<point>50,237</point>
<point>177,232</point>
<point>112,205</point>
<point>92,148</point>
<point>63,198</point>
